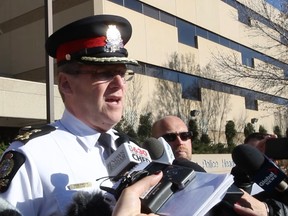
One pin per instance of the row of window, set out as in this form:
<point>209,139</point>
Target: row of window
<point>281,5</point>
<point>188,32</point>
<point>244,14</point>
<point>192,84</point>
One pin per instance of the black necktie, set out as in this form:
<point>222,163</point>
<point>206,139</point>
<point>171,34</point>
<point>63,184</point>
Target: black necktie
<point>105,141</point>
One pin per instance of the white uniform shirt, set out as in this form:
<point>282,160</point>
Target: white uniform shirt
<point>68,157</point>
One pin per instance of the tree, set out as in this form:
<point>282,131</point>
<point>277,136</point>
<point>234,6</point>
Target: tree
<point>192,126</point>
<point>133,98</point>
<point>172,90</point>
<point>183,62</point>
<point>249,129</point>
<point>230,132</point>
<point>145,126</point>
<point>205,139</point>
<point>214,107</point>
<point>277,131</point>
<point>262,129</point>
<point>124,127</point>
<point>269,26</point>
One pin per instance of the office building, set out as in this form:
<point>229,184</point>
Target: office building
<point>176,43</point>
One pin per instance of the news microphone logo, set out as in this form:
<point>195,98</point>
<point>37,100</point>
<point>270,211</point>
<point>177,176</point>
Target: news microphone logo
<point>263,171</point>
<point>269,176</point>
<point>125,157</point>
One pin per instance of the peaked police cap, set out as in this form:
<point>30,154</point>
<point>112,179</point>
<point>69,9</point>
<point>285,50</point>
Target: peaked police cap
<point>97,39</point>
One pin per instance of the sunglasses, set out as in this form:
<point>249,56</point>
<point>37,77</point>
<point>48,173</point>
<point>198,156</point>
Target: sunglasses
<point>170,137</point>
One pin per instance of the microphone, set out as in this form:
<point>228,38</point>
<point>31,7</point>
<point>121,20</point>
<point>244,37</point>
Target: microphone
<point>242,179</point>
<point>121,139</point>
<point>126,157</point>
<point>159,150</point>
<point>263,171</point>
<point>88,204</point>
<point>187,163</point>
<point>6,209</point>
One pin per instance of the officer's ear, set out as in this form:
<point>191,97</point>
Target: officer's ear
<point>64,83</point>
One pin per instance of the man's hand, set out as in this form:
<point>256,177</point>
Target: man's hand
<point>129,203</point>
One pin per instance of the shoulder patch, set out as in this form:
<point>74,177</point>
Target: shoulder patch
<point>9,165</point>
<point>29,132</point>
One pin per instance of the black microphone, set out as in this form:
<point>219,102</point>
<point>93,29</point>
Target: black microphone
<point>88,204</point>
<point>159,150</point>
<point>242,179</point>
<point>263,171</point>
<point>6,209</point>
<point>187,163</point>
<point>122,138</point>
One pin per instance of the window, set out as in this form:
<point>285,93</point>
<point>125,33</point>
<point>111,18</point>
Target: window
<point>167,18</point>
<point>186,33</point>
<point>150,11</point>
<point>247,58</point>
<point>234,46</point>
<point>284,39</point>
<point>201,32</point>
<point>277,4</point>
<point>244,18</point>
<point>213,37</point>
<point>190,87</point>
<point>119,2</point>
<point>136,69</point>
<point>248,61</point>
<point>153,71</point>
<point>170,75</point>
<point>223,41</point>
<point>251,103</point>
<point>134,5</point>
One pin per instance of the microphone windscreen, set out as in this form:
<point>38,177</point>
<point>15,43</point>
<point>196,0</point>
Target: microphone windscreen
<point>9,212</point>
<point>248,158</point>
<point>6,209</point>
<point>88,204</point>
<point>154,147</point>
<point>120,140</point>
<point>187,163</point>
<point>242,179</point>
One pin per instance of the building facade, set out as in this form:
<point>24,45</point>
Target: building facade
<point>179,45</point>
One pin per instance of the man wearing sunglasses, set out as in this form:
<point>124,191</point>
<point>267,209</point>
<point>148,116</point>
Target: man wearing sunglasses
<point>176,133</point>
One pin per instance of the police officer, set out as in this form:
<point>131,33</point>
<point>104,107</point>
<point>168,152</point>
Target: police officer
<point>44,167</point>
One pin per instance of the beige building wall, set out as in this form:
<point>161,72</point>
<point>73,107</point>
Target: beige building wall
<point>152,42</point>
<point>24,103</point>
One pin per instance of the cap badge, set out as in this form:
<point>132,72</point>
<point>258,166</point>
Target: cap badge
<point>114,40</point>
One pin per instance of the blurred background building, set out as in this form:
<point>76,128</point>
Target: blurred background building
<point>225,60</point>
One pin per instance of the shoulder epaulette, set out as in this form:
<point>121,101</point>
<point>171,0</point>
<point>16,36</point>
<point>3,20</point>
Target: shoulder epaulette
<point>29,132</point>
<point>9,165</point>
